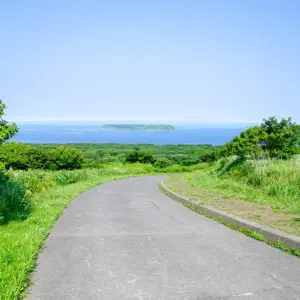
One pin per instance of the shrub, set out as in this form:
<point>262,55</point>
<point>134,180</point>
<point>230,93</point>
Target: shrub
<point>14,203</point>
<point>143,157</point>
<point>33,181</point>
<point>69,177</point>
<point>7,130</point>
<point>272,139</point>
<point>190,161</point>
<point>15,155</point>
<point>20,156</point>
<point>67,158</point>
<point>162,163</point>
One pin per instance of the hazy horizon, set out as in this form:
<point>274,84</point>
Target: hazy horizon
<point>134,121</point>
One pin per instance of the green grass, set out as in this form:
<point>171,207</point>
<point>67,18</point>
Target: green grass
<point>21,240</point>
<point>272,182</point>
<point>16,187</point>
<point>264,191</point>
<point>14,201</point>
<point>36,181</point>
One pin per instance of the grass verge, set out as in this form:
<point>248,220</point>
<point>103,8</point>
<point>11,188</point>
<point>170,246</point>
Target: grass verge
<point>21,240</point>
<point>251,233</point>
<point>225,194</point>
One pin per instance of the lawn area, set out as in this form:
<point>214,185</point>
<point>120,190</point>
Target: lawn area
<point>21,240</point>
<point>238,198</point>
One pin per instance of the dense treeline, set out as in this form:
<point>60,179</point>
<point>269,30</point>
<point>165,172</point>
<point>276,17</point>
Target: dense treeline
<point>96,155</point>
<point>20,156</point>
<point>272,139</point>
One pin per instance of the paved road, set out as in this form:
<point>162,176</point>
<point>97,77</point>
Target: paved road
<point>126,240</point>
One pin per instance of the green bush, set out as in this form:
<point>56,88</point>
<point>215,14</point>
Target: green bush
<point>33,181</point>
<point>15,156</point>
<point>138,156</point>
<point>7,130</point>
<point>14,203</point>
<point>162,163</point>
<point>190,161</point>
<point>20,156</point>
<point>278,179</point>
<point>179,169</point>
<point>272,139</point>
<point>69,177</point>
<point>67,158</point>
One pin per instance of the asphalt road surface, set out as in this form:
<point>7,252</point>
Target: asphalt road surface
<point>127,240</point>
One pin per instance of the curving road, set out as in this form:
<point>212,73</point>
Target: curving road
<point>127,240</point>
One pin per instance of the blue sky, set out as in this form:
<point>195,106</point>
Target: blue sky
<point>152,60</point>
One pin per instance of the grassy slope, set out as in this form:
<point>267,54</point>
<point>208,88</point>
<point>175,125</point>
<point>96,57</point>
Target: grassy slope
<point>20,241</point>
<point>273,202</point>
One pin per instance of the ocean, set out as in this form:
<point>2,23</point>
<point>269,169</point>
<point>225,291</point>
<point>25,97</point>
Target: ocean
<point>63,133</point>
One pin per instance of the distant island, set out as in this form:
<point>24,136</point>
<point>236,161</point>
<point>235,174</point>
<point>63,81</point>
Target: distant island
<point>140,127</point>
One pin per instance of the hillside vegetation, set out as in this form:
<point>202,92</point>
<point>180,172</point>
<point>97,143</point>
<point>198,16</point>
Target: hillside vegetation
<point>264,158</point>
<point>256,175</point>
<point>273,182</point>
<point>76,156</point>
<point>272,139</point>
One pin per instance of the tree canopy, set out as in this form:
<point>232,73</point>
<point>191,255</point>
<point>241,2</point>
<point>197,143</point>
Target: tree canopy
<point>272,139</point>
<point>7,130</point>
<point>140,156</point>
<point>19,156</point>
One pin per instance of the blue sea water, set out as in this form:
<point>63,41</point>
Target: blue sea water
<point>63,133</point>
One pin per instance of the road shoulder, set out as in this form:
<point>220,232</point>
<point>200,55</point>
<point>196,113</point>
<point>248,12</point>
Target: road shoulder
<point>218,207</point>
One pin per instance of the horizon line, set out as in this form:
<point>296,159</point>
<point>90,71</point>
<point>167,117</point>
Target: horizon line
<point>101,120</point>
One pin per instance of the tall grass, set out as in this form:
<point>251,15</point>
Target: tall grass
<point>272,181</point>
<point>35,181</point>
<point>14,202</point>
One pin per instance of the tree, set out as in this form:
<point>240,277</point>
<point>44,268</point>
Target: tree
<point>273,138</point>
<point>143,157</point>
<point>162,163</point>
<point>15,155</point>
<point>132,157</point>
<point>251,142</point>
<point>21,156</point>
<point>66,158</point>
<point>7,130</point>
<point>39,158</point>
<point>283,137</point>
